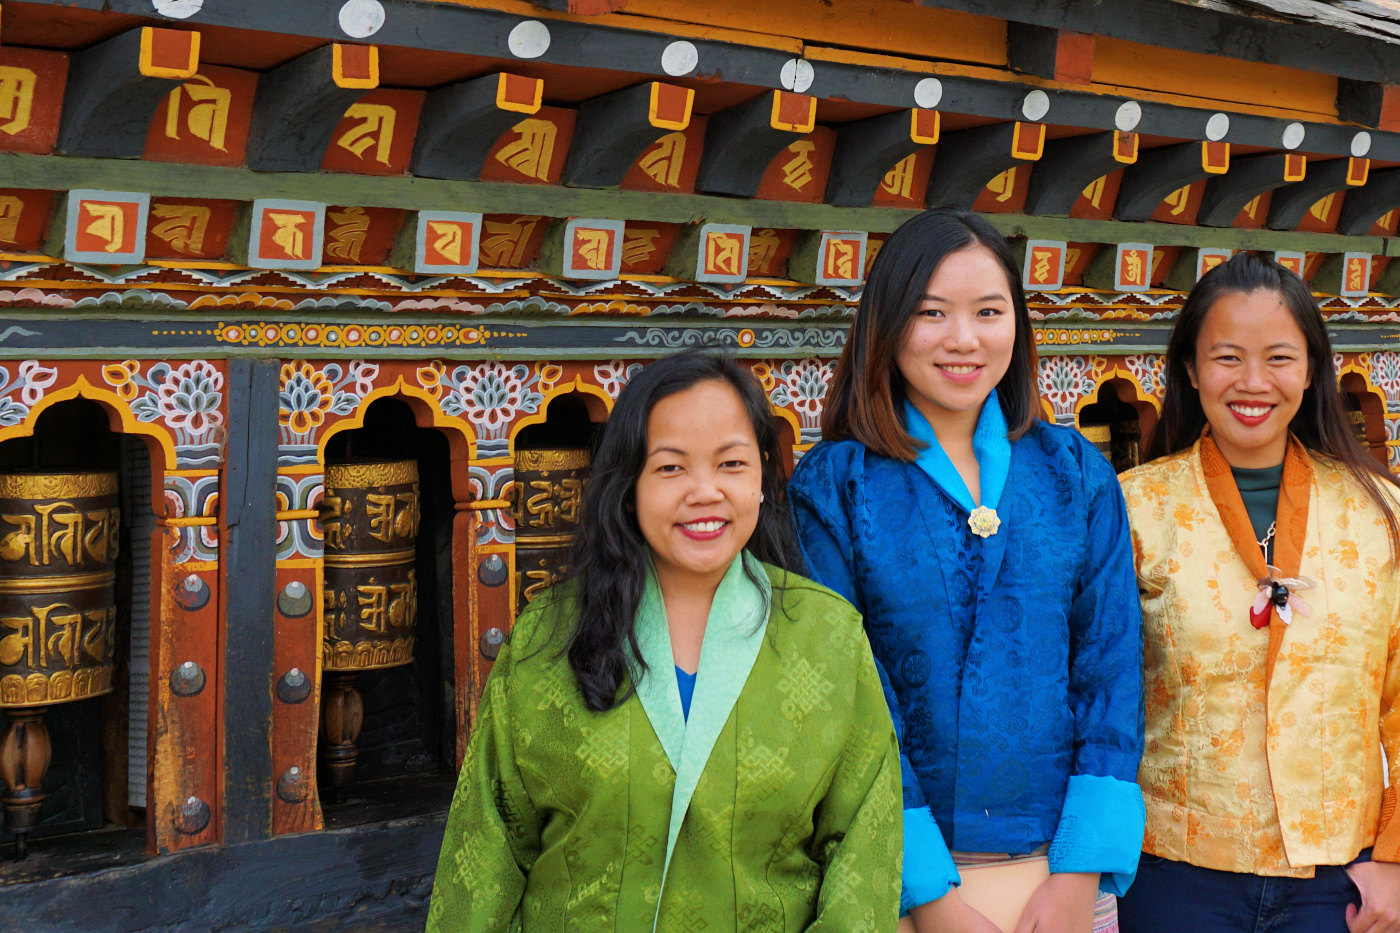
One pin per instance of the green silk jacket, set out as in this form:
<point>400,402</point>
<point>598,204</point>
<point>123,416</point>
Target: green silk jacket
<point>775,807</point>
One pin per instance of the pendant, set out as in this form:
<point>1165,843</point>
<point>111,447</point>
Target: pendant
<point>983,522</point>
<point>1279,593</point>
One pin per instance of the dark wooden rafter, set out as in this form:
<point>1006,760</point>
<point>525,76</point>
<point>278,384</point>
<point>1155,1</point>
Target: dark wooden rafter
<point>1226,195</point>
<point>1366,205</point>
<point>115,87</point>
<point>867,149</point>
<point>1069,166</point>
<point>613,130</point>
<point>461,123</point>
<point>741,141</point>
<point>1056,54</point>
<point>1291,202</point>
<point>299,104</point>
<point>1156,174</point>
<point>967,160</point>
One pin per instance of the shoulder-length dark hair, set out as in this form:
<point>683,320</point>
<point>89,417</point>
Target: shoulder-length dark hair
<point>608,563</point>
<point>1321,423</point>
<point>866,395</point>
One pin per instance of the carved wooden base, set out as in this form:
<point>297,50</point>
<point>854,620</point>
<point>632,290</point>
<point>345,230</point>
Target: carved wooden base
<point>24,757</point>
<point>342,714</point>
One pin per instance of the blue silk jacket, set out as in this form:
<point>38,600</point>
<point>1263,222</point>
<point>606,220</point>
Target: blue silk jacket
<point>1012,663</point>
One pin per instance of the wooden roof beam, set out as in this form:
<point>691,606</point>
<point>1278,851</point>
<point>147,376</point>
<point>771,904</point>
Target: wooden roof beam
<point>741,141</point>
<point>1159,172</point>
<point>614,129</point>
<point>867,149</point>
<point>1071,164</point>
<point>968,159</point>
<point>115,87</point>
<point>461,123</point>
<point>1226,195</point>
<point>1291,202</point>
<point>1056,54</point>
<point>1364,206</point>
<point>299,104</point>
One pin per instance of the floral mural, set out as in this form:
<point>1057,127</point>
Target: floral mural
<point>801,386</point>
<point>30,380</point>
<point>489,395</point>
<point>185,397</point>
<point>1064,380</point>
<point>307,393</point>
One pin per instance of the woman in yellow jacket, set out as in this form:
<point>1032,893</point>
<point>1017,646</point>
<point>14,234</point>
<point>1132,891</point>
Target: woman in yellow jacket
<point>1266,543</point>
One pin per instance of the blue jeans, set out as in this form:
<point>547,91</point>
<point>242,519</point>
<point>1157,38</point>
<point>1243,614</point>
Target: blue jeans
<point>1170,897</point>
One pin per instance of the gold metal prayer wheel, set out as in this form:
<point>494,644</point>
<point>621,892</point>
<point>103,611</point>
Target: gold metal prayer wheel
<point>548,493</point>
<point>1101,436</point>
<point>59,536</point>
<point>369,517</point>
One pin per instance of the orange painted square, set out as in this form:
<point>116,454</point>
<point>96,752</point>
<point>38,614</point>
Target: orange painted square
<point>1293,264</point>
<point>800,171</point>
<point>795,112</point>
<point>375,137</point>
<point>96,233</point>
<point>1358,171</point>
<point>1209,260</point>
<point>1006,193</point>
<point>268,248</point>
<point>360,236</point>
<point>189,228</point>
<point>1125,147</point>
<point>32,82</point>
<point>1135,267</point>
<point>356,62</point>
<point>24,219</point>
<point>439,233</point>
<point>924,126</point>
<point>171,49</point>
<point>1045,265</point>
<point>671,163</point>
<point>672,102</point>
<point>213,111</point>
<point>906,184</point>
<point>1181,206</point>
<point>533,151</point>
<point>1295,167</point>
<point>519,91</point>
<point>769,251</point>
<point>601,238</point>
<point>1028,141</point>
<point>1097,200</point>
<point>1356,275</point>
<point>647,246</point>
<point>842,259</point>
<point>1215,157</point>
<point>724,254</point>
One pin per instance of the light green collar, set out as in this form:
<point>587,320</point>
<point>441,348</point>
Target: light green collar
<point>733,635</point>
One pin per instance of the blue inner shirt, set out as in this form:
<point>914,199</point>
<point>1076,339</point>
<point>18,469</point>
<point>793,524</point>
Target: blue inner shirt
<point>687,684</point>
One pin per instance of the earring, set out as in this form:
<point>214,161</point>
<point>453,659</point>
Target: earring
<point>760,498</point>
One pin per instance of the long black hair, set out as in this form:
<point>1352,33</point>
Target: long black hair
<point>865,401</point>
<point>608,563</point>
<point>1321,422</point>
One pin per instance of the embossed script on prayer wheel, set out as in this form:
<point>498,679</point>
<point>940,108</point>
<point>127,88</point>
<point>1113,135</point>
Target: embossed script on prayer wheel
<point>369,516</point>
<point>58,551</point>
<point>548,493</point>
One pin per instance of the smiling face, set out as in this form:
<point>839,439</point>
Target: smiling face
<point>698,494</point>
<point>1251,370</point>
<point>959,344</point>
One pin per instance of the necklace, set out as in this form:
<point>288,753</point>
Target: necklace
<point>1268,539</point>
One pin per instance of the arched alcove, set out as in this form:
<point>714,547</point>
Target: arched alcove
<point>1117,421</point>
<point>1365,414</point>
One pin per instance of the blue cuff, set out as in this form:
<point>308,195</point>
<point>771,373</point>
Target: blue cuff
<point>928,868</point>
<point>1100,830</point>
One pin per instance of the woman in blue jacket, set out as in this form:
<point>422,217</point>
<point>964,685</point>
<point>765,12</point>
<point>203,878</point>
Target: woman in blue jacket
<point>990,555</point>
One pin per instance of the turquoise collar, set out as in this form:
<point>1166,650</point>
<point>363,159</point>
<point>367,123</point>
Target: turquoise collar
<point>989,444</point>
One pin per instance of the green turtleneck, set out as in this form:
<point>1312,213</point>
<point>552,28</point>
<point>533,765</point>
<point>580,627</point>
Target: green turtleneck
<point>1259,490</point>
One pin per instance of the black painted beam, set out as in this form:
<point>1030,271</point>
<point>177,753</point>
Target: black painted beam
<point>295,113</point>
<point>966,161</point>
<point>1369,203</point>
<point>1226,195</point>
<point>461,123</point>
<point>614,129</point>
<point>865,152</point>
<point>1067,167</point>
<point>1156,174</point>
<point>109,102</point>
<point>248,561</point>
<point>1360,101</point>
<point>742,140</point>
<point>1291,202</point>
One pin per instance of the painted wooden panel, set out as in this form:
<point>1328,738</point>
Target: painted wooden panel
<point>375,137</point>
<point>534,150</point>
<point>31,97</point>
<point>189,228</point>
<point>205,120</point>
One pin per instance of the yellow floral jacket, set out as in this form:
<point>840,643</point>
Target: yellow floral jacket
<point>1263,748</point>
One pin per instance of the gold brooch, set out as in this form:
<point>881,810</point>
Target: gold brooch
<point>983,522</point>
